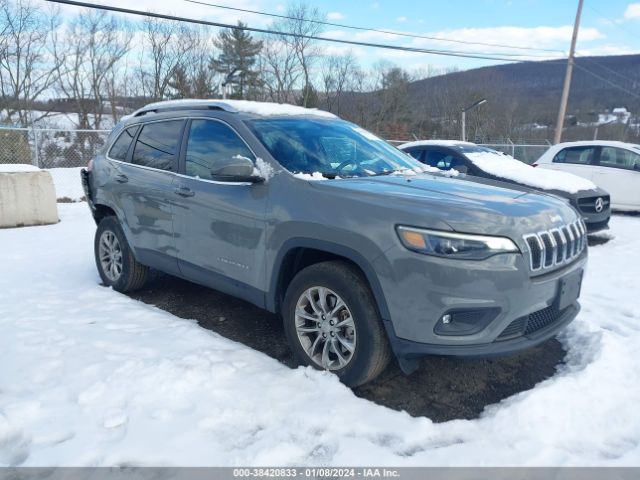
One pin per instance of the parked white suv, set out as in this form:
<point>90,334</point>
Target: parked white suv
<point>614,166</point>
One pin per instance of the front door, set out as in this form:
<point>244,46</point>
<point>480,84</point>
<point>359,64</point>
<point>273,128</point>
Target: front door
<point>219,226</point>
<point>617,170</point>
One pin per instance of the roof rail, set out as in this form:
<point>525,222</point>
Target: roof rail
<point>175,105</point>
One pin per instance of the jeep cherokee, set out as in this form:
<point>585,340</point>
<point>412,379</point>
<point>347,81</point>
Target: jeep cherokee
<point>364,252</point>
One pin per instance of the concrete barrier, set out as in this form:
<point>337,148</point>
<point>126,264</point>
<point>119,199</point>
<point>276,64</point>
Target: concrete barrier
<point>27,197</point>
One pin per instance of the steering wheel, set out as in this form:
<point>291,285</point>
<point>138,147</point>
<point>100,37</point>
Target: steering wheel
<point>346,163</point>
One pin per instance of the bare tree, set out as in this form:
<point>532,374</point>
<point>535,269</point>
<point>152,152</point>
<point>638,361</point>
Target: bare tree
<point>301,22</point>
<point>281,70</point>
<point>337,77</point>
<point>87,58</point>
<point>26,72</point>
<point>166,45</point>
<point>192,77</point>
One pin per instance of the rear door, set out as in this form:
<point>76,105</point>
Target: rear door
<point>617,170</point>
<point>146,181</point>
<point>219,226</point>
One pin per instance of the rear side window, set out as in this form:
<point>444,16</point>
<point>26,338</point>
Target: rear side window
<point>211,145</point>
<point>157,145</point>
<point>578,155</point>
<point>121,145</point>
<point>619,158</point>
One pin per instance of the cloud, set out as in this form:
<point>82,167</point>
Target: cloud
<point>401,19</point>
<point>632,12</point>
<point>335,16</point>
<point>537,37</point>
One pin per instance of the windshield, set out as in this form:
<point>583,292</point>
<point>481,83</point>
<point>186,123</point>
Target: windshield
<point>333,148</point>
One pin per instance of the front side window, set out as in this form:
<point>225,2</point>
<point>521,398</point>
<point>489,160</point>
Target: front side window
<point>415,153</point>
<point>578,155</point>
<point>333,148</point>
<point>211,145</point>
<point>121,145</point>
<point>619,158</point>
<point>441,160</point>
<point>157,145</point>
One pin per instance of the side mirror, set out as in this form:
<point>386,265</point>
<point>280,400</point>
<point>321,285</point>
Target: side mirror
<point>461,168</point>
<point>236,169</point>
<point>636,167</point>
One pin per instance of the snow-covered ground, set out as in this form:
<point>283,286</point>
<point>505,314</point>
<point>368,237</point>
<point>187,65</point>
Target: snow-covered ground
<point>91,377</point>
<point>67,183</point>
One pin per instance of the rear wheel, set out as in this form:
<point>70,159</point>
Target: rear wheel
<point>332,323</point>
<point>116,264</point>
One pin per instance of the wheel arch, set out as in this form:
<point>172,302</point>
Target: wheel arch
<point>298,253</point>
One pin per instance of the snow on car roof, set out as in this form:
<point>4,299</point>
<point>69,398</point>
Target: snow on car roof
<point>505,166</point>
<point>236,106</point>
<point>444,143</point>
<point>588,143</point>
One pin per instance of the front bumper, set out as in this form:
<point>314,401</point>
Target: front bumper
<point>420,289</point>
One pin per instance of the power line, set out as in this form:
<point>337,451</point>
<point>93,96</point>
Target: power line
<point>448,53</point>
<point>610,70</point>
<point>606,80</point>
<point>389,32</point>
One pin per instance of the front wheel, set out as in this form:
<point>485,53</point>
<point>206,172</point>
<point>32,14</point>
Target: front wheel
<point>116,264</point>
<point>332,323</point>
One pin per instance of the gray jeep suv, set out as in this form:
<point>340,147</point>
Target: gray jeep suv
<point>362,252</point>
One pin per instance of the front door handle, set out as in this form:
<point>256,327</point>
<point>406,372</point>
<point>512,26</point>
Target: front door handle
<point>184,192</point>
<point>122,178</point>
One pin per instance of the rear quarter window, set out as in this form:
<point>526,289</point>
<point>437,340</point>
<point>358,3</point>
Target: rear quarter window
<point>120,147</point>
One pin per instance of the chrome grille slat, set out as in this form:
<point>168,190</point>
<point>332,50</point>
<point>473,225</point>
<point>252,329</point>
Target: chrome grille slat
<point>557,246</point>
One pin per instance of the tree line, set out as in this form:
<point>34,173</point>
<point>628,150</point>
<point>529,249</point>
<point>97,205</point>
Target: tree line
<point>100,66</point>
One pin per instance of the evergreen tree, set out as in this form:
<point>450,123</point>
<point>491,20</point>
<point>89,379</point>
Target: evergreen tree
<point>238,56</point>
<point>308,97</point>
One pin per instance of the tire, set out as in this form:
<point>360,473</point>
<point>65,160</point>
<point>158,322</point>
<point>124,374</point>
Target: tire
<point>131,275</point>
<point>357,325</point>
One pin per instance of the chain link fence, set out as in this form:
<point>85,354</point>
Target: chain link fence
<point>49,147</point>
<point>58,148</point>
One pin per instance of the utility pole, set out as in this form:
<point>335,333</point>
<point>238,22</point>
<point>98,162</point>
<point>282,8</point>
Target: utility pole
<point>567,78</point>
<point>464,117</point>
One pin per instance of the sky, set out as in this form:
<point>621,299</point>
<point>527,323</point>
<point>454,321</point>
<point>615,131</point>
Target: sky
<point>608,27</point>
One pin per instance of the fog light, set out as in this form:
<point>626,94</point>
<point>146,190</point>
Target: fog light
<point>465,322</point>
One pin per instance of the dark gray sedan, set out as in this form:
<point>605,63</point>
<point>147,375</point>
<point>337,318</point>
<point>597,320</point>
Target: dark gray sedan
<point>592,202</point>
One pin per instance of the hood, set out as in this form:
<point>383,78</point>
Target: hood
<point>506,167</point>
<point>431,201</point>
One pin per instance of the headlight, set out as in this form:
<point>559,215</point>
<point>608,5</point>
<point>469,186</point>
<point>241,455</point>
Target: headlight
<point>454,245</point>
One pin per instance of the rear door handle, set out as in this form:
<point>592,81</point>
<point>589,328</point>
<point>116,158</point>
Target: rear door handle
<point>184,192</point>
<point>122,178</point>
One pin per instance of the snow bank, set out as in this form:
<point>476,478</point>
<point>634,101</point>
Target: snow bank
<point>17,167</point>
<point>90,377</point>
<point>245,106</point>
<point>505,166</point>
<point>67,183</point>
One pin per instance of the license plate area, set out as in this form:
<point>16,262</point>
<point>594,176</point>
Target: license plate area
<point>569,289</point>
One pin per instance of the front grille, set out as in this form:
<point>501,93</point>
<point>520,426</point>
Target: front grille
<point>557,246</point>
<point>532,323</point>
<point>588,204</point>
